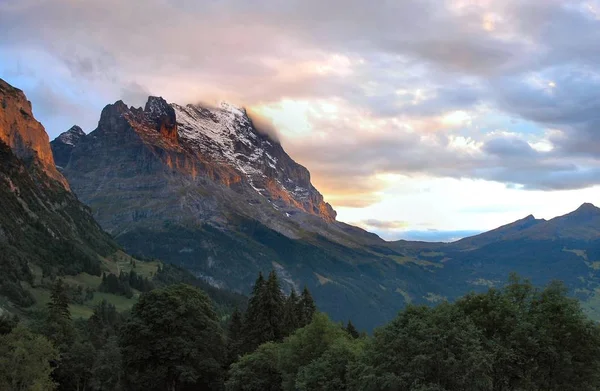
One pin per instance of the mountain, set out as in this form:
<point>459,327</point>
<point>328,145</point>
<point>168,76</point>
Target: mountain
<point>581,224</point>
<point>23,134</point>
<point>204,188</point>
<point>565,248</point>
<point>501,233</point>
<point>41,221</point>
<point>63,145</point>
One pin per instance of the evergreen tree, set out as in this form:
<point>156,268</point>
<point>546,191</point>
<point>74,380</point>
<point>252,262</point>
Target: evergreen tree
<point>58,306</point>
<point>264,316</point>
<point>306,308</point>
<point>350,329</point>
<point>234,336</point>
<point>291,319</point>
<point>58,327</point>
<point>271,304</point>
<point>252,318</point>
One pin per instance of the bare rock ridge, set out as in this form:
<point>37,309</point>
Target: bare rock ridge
<point>23,133</point>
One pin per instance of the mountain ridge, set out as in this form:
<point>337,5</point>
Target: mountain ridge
<point>202,188</point>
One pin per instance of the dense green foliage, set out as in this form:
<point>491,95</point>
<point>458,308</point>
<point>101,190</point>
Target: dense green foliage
<point>25,359</point>
<point>517,338</point>
<point>173,341</point>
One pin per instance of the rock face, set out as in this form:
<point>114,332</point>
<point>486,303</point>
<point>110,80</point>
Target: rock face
<point>63,145</point>
<point>23,134</point>
<point>200,163</point>
<point>41,222</point>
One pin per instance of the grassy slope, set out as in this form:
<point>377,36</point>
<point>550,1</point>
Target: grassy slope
<point>116,263</point>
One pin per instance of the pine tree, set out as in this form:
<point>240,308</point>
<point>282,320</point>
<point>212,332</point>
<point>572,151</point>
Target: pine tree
<point>306,308</point>
<point>58,307</point>
<point>263,322</point>
<point>291,319</point>
<point>234,336</point>
<point>252,318</point>
<point>272,304</point>
<point>350,329</point>
<point>59,327</point>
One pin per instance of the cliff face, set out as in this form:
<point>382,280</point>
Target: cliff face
<point>190,164</point>
<point>25,136</point>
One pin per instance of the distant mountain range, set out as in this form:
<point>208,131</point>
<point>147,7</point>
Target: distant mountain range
<point>204,188</point>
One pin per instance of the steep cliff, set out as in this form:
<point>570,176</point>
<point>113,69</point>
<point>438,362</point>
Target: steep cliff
<point>23,134</point>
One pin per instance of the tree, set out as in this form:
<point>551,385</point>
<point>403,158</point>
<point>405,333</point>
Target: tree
<point>271,309</point>
<point>306,345</point>
<point>290,321</point>
<point>234,336</point>
<point>568,357</point>
<point>103,324</point>
<point>25,361</point>
<point>538,339</point>
<point>107,369</point>
<point>58,326</point>
<point>8,323</point>
<point>330,371</point>
<point>256,371</point>
<point>430,348</point>
<point>264,316</point>
<point>173,341</point>
<point>74,369</point>
<point>58,306</point>
<point>350,329</point>
<point>306,307</point>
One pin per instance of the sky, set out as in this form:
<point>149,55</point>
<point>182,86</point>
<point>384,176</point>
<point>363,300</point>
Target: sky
<point>424,119</point>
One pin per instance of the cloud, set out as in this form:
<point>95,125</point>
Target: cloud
<point>500,91</point>
<point>263,125</point>
<point>384,224</point>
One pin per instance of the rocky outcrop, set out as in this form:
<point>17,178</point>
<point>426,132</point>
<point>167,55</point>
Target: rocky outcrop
<point>23,134</point>
<point>63,145</point>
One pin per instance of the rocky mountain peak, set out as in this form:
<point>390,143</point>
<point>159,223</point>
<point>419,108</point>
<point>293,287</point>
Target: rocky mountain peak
<point>71,136</point>
<point>162,116</point>
<point>227,135</point>
<point>63,145</point>
<point>26,137</point>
